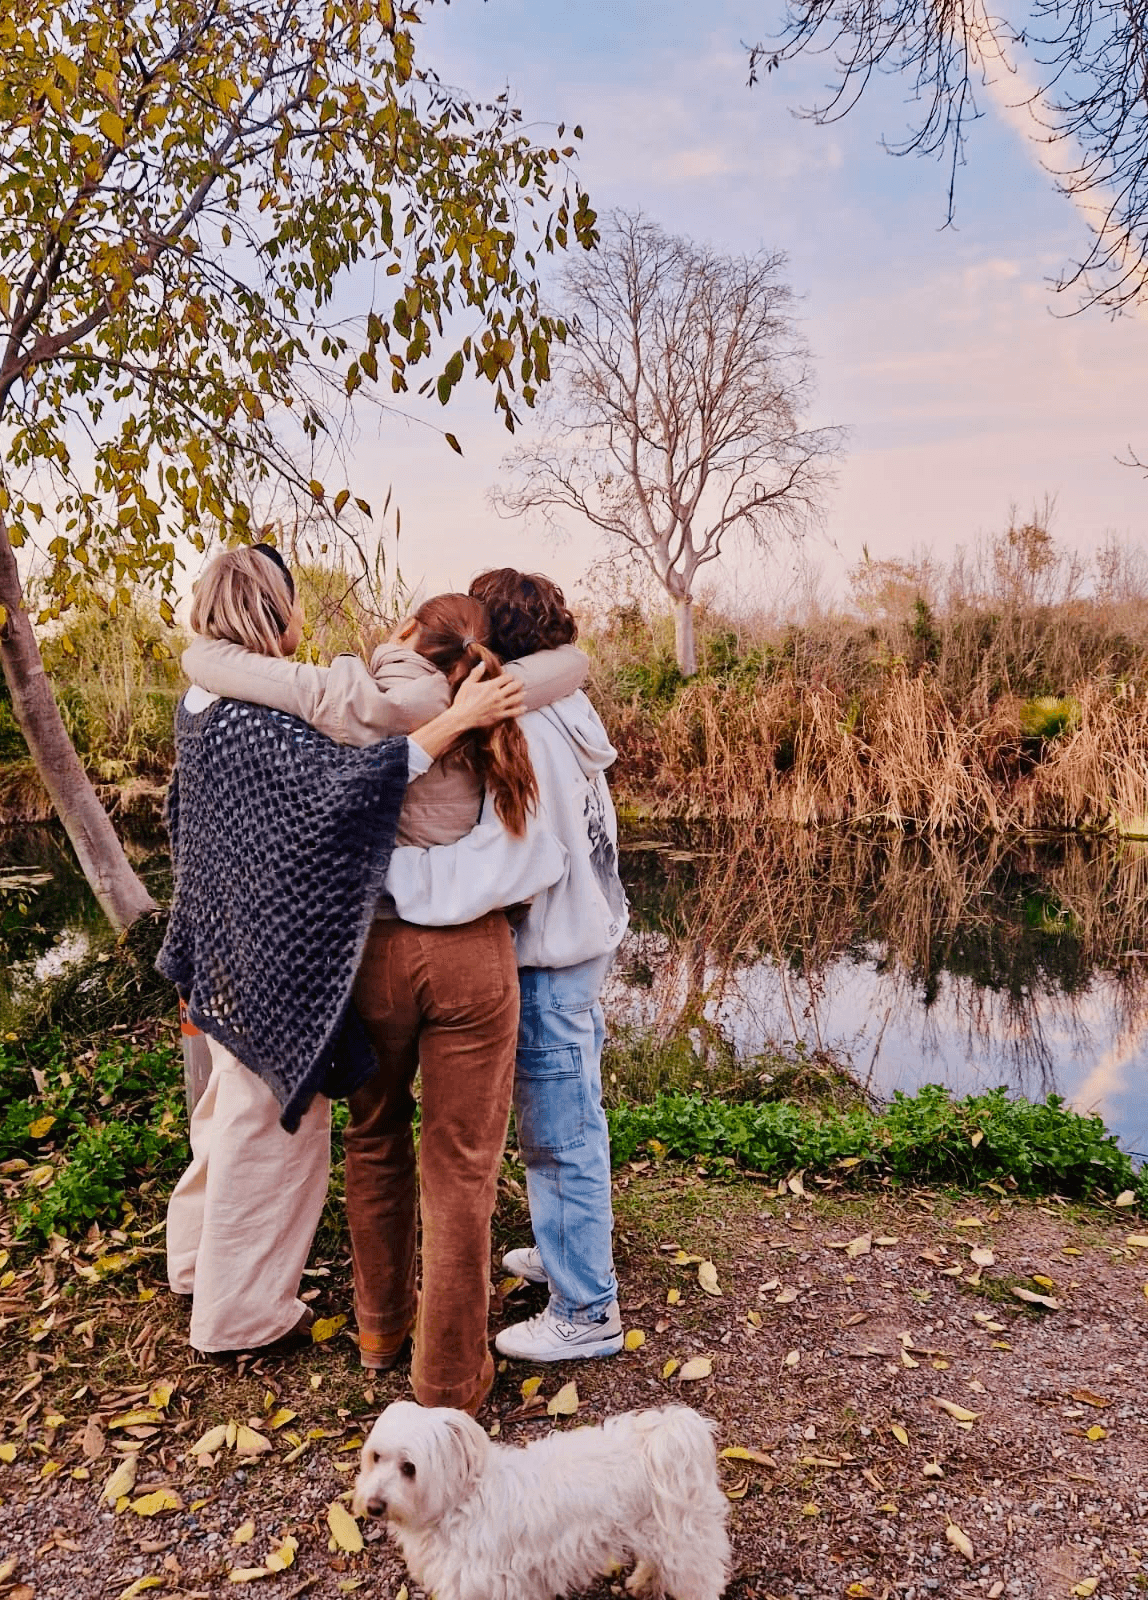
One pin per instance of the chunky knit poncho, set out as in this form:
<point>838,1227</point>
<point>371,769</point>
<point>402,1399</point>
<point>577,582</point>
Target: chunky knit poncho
<point>280,843</point>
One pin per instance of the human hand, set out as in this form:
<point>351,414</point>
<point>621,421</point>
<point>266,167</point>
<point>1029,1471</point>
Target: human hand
<point>481,701</point>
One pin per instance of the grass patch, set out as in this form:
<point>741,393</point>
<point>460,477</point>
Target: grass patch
<point>926,1138</point>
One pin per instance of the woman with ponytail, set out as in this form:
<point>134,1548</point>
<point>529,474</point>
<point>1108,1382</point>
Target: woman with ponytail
<point>437,988</point>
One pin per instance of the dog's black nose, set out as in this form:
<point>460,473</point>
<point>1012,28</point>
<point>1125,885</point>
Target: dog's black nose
<point>376,1508</point>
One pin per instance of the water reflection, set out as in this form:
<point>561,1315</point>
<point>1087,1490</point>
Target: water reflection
<point>967,964</point>
<point>1022,963</point>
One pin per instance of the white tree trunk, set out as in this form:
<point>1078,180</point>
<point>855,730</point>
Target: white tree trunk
<point>684,648</point>
<point>101,855</point>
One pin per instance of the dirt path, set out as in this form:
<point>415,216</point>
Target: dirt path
<point>841,1325</point>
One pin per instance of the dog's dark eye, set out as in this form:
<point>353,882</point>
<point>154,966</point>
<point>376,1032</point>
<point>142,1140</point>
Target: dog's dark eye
<point>407,1469</point>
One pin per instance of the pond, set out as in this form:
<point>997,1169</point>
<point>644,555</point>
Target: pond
<point>1010,962</point>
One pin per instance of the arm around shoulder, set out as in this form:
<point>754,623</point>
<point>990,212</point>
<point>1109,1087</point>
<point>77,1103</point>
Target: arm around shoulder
<point>550,675</point>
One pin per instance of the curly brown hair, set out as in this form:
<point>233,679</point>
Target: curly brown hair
<point>527,612</point>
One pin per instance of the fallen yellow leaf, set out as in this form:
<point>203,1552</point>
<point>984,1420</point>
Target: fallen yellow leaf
<point>156,1503</point>
<point>530,1387</point>
<point>41,1126</point>
<point>160,1397</point>
<point>787,1296</point>
<point>1096,1432</point>
<point>1087,1586</point>
<point>673,1297</point>
<point>982,1256</point>
<point>959,1540</point>
<point>122,1480</point>
<point>244,1533</point>
<point>7,1453</point>
<point>670,1368</point>
<point>792,1358</point>
<point>738,1490</point>
<point>635,1339</point>
<point>247,1574</point>
<point>697,1367</point>
<point>899,1434</point>
<point>708,1279</point>
<point>1033,1299</point>
<point>139,1586</point>
<point>134,1419</point>
<point>958,1413</point>
<point>859,1246</point>
<point>907,1360</point>
<point>969,1222</point>
<point>932,1469</point>
<point>1140,1240</point>
<point>1126,1198</point>
<point>565,1402</point>
<point>214,1439</point>
<point>324,1328</point>
<point>344,1528</point>
<point>737,1452</point>
<point>753,1318</point>
<point>281,1417</point>
<point>283,1555</point>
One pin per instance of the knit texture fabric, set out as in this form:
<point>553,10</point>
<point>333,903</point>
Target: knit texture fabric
<point>280,843</point>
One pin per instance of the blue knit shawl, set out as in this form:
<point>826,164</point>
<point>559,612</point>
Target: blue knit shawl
<point>280,842</point>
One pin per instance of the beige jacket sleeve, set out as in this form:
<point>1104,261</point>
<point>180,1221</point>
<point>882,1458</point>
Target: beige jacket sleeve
<point>551,674</point>
<point>343,700</point>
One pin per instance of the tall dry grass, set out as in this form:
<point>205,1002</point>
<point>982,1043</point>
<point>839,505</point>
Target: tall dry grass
<point>1006,692</point>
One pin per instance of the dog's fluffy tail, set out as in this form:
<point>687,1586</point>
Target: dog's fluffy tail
<point>681,1463</point>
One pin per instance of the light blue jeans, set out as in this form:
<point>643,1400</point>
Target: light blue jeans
<point>563,1136</point>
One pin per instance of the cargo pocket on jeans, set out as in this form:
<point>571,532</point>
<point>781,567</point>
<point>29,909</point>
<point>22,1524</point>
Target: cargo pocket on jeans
<point>549,1099</point>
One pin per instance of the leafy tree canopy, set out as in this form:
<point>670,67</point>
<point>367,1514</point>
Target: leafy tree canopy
<point>182,185</point>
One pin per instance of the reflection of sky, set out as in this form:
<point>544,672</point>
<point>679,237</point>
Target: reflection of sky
<point>969,1039</point>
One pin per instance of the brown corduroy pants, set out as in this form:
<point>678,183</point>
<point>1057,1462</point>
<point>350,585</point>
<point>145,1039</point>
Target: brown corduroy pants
<point>444,1000</point>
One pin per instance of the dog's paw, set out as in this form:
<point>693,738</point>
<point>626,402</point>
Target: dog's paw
<point>644,1581</point>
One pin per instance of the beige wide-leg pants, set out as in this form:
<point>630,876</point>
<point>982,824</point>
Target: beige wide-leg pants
<point>241,1219</point>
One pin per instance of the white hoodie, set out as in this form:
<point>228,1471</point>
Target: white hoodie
<point>581,916</point>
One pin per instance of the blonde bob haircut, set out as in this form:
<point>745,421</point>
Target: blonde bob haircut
<point>243,598</point>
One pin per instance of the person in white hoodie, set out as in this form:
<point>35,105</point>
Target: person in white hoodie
<point>564,946</point>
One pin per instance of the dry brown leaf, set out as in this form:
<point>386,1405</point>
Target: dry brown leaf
<point>959,1540</point>
<point>1087,1398</point>
<point>859,1246</point>
<point>565,1402</point>
<point>694,1369</point>
<point>344,1528</point>
<point>786,1297</point>
<point>93,1443</point>
<point>738,1490</point>
<point>1127,1198</point>
<point>981,1256</point>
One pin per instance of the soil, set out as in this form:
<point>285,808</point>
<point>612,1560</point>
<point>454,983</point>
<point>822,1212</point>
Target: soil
<point>841,1323</point>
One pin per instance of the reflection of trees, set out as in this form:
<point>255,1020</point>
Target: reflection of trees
<point>1015,934</point>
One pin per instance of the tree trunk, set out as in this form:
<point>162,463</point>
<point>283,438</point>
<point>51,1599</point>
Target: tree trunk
<point>684,635</point>
<point>101,855</point>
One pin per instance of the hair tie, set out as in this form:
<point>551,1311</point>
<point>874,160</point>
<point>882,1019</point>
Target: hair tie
<point>468,641</point>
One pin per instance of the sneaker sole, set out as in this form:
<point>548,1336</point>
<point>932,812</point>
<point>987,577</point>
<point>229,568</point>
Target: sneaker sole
<point>580,1352</point>
<point>528,1277</point>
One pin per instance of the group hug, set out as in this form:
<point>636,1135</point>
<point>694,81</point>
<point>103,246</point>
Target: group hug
<point>407,868</point>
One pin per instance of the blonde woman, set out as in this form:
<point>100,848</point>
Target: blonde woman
<point>280,847</point>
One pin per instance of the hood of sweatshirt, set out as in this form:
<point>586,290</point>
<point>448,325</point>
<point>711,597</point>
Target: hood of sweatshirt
<point>576,719</point>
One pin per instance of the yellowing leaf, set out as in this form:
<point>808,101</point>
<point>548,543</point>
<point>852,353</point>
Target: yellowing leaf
<point>1127,1198</point>
<point>214,1439</point>
<point>565,1402</point>
<point>281,1417</point>
<point>135,1419</point>
<point>122,1480</point>
<point>738,1452</point>
<point>738,1490</point>
<point>283,1556</point>
<point>41,1126</point>
<point>697,1367</point>
<point>1096,1432</point>
<point>811,1510</point>
<point>154,1504</point>
<point>786,1297</point>
<point>112,128</point>
<point>907,1360</point>
<point>1033,1299</point>
<point>160,1397</point>
<point>859,1246</point>
<point>1042,1282</point>
<point>344,1528</point>
<point>792,1358</point>
<point>530,1387</point>
<point>509,1285</point>
<point>247,1574</point>
<point>139,1586</point>
<point>1140,1240</point>
<point>670,1368</point>
<point>958,1413</point>
<point>969,1222</point>
<point>635,1339</point>
<point>7,1453</point>
<point>1085,1587</point>
<point>248,1442</point>
<point>753,1318</point>
<point>324,1328</point>
<point>959,1540</point>
<point>708,1279</point>
<point>982,1256</point>
<point>244,1533</point>
<point>932,1469</point>
<point>899,1434</point>
<point>673,1297</point>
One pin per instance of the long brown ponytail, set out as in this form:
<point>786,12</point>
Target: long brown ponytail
<point>453,634</point>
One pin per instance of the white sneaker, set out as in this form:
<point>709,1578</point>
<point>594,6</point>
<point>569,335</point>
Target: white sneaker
<point>550,1338</point>
<point>525,1263</point>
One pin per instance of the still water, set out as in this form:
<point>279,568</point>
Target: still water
<point>972,965</point>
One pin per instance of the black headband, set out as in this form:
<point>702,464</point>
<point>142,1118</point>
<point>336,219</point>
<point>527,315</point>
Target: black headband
<point>272,554</point>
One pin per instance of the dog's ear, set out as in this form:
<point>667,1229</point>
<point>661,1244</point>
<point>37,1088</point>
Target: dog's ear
<point>471,1444</point>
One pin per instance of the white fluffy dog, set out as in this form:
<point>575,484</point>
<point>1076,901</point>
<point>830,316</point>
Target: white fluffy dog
<point>481,1521</point>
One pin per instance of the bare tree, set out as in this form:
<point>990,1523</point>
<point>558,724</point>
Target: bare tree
<point>1075,70</point>
<point>673,422</point>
